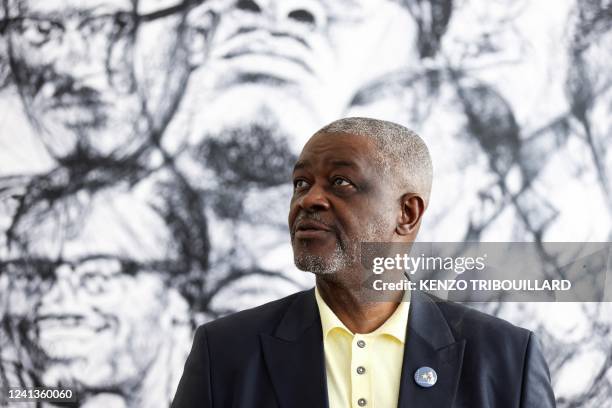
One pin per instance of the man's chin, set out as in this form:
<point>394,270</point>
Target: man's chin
<point>79,373</point>
<point>317,269</point>
<point>320,264</point>
<point>287,114</point>
<point>63,374</point>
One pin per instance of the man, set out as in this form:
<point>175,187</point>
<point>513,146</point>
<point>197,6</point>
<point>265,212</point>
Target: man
<point>84,70</point>
<point>359,180</point>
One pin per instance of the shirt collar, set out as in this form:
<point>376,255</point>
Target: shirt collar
<point>394,326</point>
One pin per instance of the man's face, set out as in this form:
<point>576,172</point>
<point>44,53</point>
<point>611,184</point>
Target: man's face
<point>298,62</point>
<point>339,201</point>
<point>72,61</point>
<point>94,325</point>
<point>78,67</point>
<point>96,295</point>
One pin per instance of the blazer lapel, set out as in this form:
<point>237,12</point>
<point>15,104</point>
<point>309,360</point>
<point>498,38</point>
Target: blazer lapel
<point>429,343</point>
<point>294,356</point>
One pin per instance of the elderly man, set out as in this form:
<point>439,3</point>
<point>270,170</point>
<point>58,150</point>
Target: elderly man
<point>360,180</point>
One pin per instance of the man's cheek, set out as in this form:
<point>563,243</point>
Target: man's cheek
<point>292,215</point>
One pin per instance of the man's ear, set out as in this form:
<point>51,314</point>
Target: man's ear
<point>412,209</point>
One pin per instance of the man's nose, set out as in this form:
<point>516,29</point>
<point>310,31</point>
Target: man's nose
<point>73,48</point>
<point>315,199</point>
<point>309,13</point>
<point>75,56</point>
<point>65,288</point>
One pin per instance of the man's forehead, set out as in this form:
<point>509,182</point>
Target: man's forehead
<point>341,142</point>
<point>103,224</point>
<point>338,150</point>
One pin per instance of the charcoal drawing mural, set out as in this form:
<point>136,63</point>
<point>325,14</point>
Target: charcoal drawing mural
<point>145,151</point>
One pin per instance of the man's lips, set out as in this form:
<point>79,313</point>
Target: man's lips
<point>70,321</point>
<point>311,229</point>
<point>262,48</point>
<point>307,234</point>
<point>241,52</point>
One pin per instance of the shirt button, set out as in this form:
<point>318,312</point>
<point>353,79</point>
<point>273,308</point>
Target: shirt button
<point>361,344</point>
<point>362,402</point>
<point>360,370</point>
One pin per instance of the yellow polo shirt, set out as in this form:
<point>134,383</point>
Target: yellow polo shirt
<point>363,370</point>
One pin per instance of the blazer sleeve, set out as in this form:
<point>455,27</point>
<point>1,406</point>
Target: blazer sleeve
<point>194,388</point>
<point>537,390</point>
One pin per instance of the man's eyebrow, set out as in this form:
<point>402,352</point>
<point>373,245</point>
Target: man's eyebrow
<point>300,164</point>
<point>344,163</point>
<point>335,163</point>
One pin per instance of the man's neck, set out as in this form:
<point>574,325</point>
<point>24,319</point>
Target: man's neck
<point>352,307</point>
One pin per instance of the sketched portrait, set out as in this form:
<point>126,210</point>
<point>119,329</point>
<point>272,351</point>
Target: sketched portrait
<point>100,313</point>
<point>293,65</point>
<point>71,62</point>
<point>84,72</point>
<point>272,72</point>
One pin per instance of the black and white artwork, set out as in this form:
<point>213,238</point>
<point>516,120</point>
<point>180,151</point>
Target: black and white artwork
<point>146,149</point>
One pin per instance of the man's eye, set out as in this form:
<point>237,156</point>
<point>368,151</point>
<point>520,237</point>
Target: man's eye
<point>44,27</point>
<point>39,32</point>
<point>339,181</point>
<point>94,283</point>
<point>298,184</point>
<point>93,26</point>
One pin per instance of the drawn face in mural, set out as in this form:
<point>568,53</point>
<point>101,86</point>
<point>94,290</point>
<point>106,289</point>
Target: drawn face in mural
<point>275,71</point>
<point>293,65</point>
<point>90,72</point>
<point>95,324</point>
<point>73,66</point>
<point>102,312</point>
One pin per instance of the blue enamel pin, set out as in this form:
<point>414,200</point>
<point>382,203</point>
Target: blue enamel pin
<point>425,377</point>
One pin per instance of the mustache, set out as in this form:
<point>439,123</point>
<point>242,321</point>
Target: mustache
<point>32,79</point>
<point>65,85</point>
<point>313,216</point>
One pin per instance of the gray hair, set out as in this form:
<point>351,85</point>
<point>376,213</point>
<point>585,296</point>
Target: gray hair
<point>403,154</point>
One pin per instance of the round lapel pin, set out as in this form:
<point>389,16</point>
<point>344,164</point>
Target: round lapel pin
<point>425,377</point>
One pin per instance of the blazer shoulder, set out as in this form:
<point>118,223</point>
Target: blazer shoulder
<point>263,318</point>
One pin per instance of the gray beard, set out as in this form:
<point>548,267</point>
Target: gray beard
<point>344,255</point>
<point>319,265</point>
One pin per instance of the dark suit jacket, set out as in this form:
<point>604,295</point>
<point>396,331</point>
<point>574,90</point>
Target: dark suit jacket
<point>272,356</point>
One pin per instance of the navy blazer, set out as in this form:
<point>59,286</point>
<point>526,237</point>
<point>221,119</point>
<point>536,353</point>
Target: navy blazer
<point>272,356</point>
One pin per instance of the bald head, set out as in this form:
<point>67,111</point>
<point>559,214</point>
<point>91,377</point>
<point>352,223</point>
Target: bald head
<point>403,155</point>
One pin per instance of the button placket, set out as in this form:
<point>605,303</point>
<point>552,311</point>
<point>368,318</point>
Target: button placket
<point>360,381</point>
